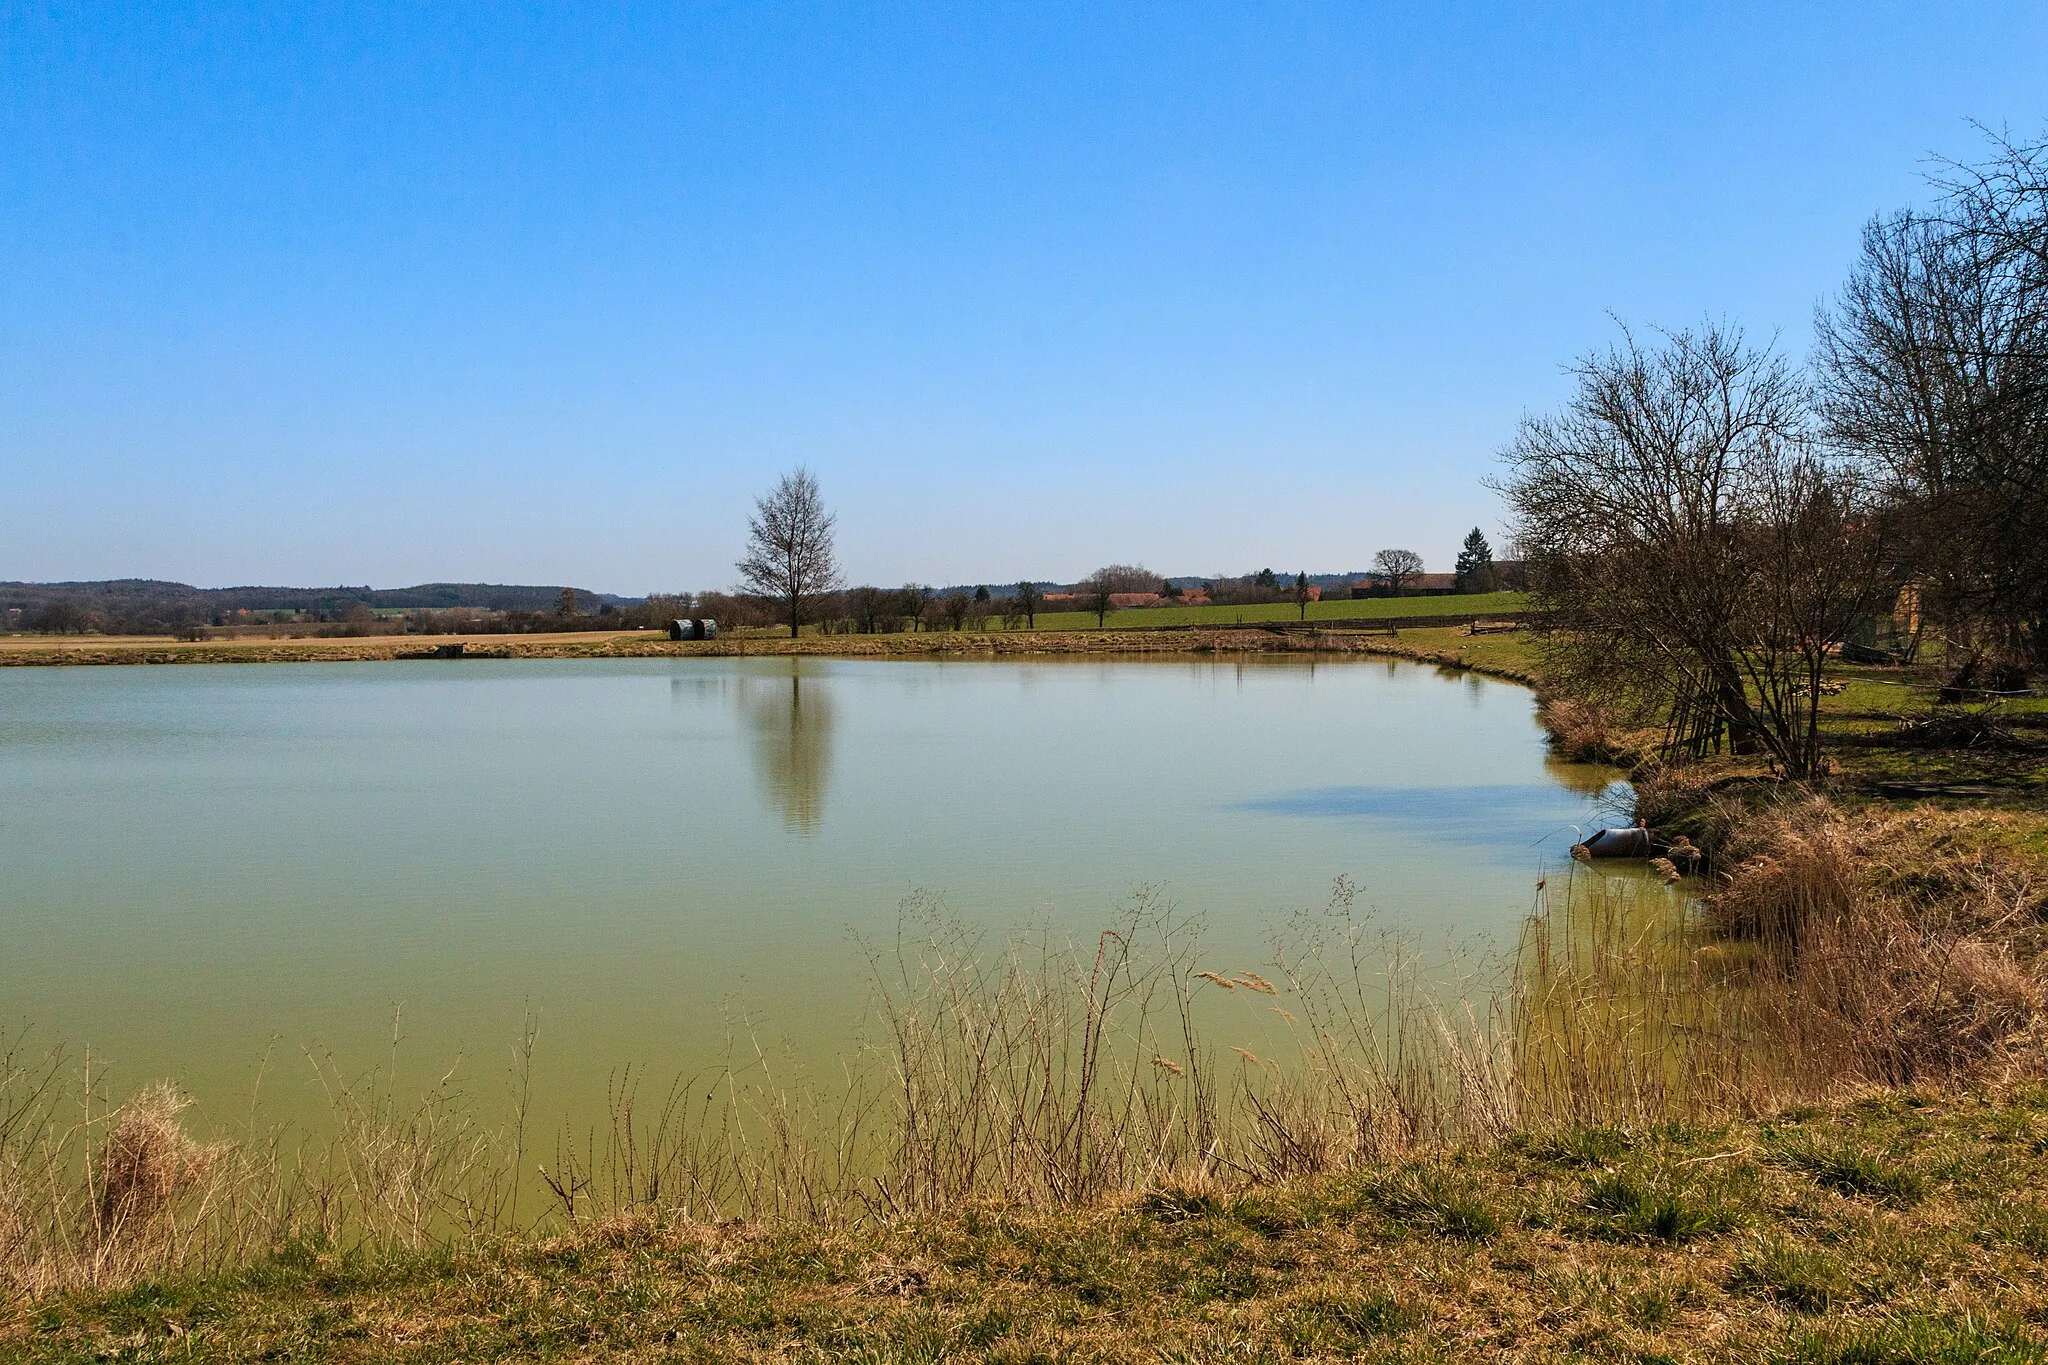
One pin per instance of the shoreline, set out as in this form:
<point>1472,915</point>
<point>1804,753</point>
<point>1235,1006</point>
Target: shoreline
<point>606,645</point>
<point>1886,1122</point>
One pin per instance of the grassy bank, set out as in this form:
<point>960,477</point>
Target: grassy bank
<point>1804,1126</point>
<point>1054,631</point>
<point>1896,1227</point>
<point>26,651</point>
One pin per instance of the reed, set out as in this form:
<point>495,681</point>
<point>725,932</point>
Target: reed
<point>1039,1071</point>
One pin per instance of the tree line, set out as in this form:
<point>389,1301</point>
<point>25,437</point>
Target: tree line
<point>1705,523</point>
<point>791,574</point>
<point>158,607</point>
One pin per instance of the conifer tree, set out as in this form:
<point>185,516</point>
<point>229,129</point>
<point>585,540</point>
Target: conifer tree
<point>1475,564</point>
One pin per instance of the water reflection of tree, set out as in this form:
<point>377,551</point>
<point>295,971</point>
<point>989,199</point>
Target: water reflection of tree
<point>790,718</point>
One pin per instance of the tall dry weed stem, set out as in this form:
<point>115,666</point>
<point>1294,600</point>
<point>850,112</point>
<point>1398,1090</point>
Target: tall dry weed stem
<point>1035,1070</point>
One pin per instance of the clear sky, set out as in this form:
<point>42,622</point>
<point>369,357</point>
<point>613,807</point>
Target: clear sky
<point>364,294</point>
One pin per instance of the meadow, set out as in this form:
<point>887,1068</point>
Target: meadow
<point>1393,609</point>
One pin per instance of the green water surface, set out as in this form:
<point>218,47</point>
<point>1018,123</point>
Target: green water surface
<point>200,866</point>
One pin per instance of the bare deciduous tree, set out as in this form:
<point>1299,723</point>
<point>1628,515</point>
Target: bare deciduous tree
<point>58,618</point>
<point>1097,592</point>
<point>1691,552</point>
<point>866,607</point>
<point>789,548</point>
<point>730,610</point>
<point>1029,599</point>
<point>1128,578</point>
<point>1396,567</point>
<point>359,619</point>
<point>913,601</point>
<point>1934,362</point>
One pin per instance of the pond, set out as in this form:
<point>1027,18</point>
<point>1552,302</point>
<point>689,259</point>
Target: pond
<point>201,867</point>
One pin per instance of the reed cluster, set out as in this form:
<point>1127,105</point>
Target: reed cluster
<point>1034,1071</point>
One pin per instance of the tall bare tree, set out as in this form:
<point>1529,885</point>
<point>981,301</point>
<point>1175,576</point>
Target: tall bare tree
<point>912,600</point>
<point>1691,552</point>
<point>1397,567</point>
<point>789,548</point>
<point>1934,365</point>
<point>1029,600</point>
<point>1098,590</point>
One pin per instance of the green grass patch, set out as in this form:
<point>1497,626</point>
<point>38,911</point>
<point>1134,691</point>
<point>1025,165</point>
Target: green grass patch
<point>1344,1323</point>
<point>1802,1276</point>
<point>1852,1168</point>
<point>1432,1201</point>
<point>1913,1340</point>
<point>1583,1148</point>
<point>1365,608</point>
<point>1639,1207</point>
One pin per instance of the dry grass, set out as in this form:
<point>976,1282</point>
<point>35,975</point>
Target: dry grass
<point>1579,731</point>
<point>1672,1243</point>
<point>1897,955</point>
<point>1068,1080</point>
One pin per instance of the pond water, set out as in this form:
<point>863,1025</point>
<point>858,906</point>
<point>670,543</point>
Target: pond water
<point>202,865</point>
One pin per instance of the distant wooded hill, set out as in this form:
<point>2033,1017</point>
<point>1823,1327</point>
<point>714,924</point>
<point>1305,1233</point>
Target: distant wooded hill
<point>128,604</point>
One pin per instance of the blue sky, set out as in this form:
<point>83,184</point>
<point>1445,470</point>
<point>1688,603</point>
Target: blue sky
<point>381,295</point>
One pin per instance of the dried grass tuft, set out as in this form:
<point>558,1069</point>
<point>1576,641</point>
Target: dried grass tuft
<point>147,1164</point>
<point>1887,952</point>
<point>1579,732</point>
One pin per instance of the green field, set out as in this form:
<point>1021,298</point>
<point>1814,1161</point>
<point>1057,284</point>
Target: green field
<point>1374,608</point>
